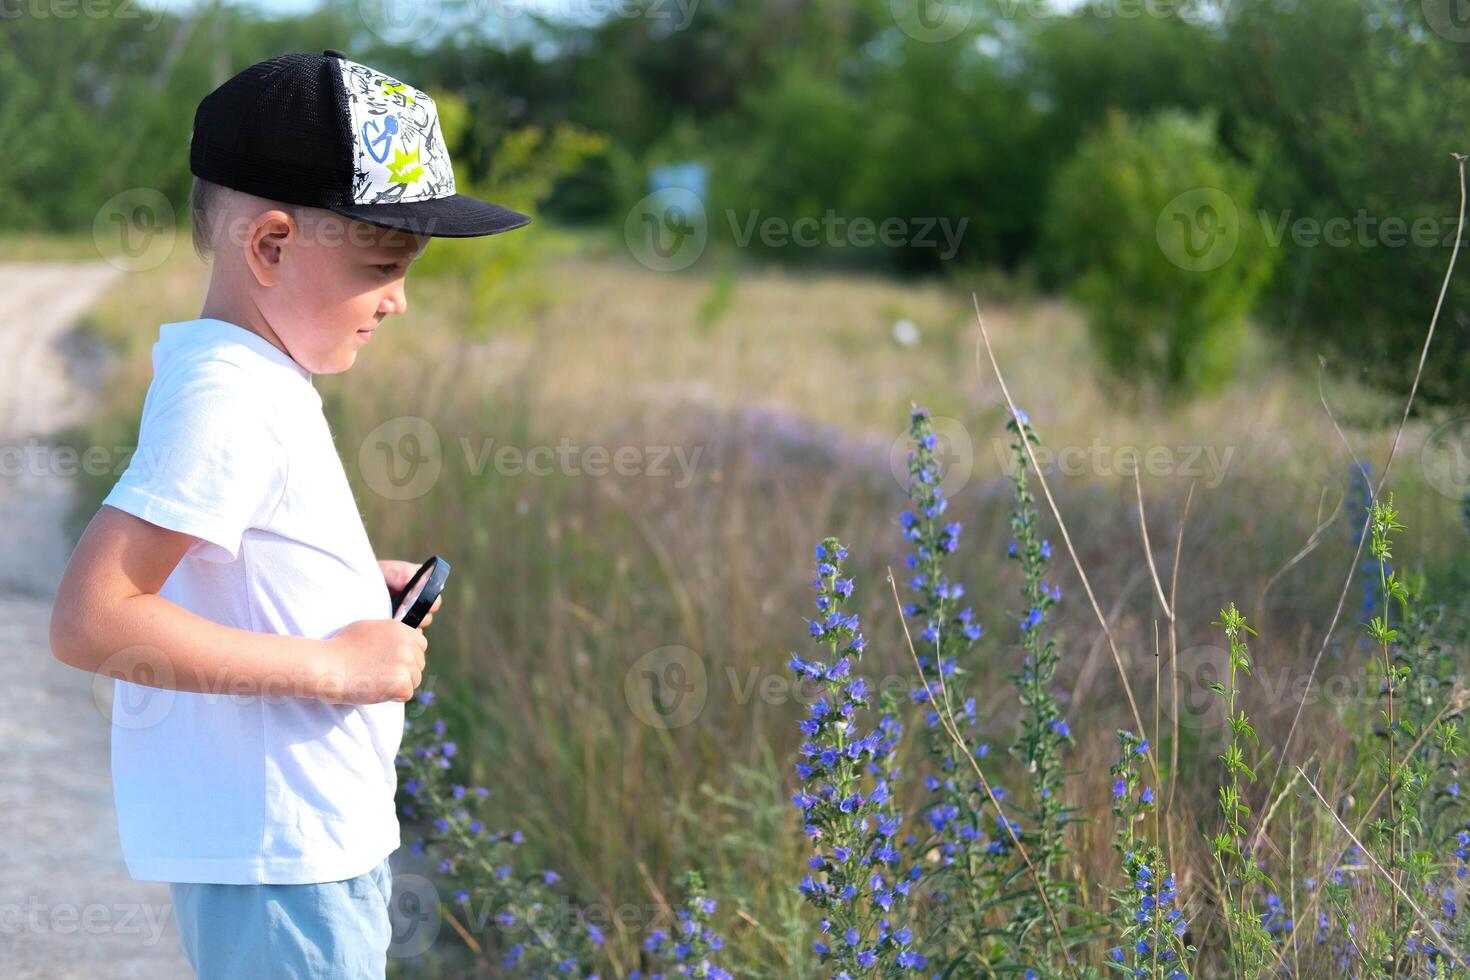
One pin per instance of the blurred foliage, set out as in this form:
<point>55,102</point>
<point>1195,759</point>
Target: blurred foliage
<point>1345,111</point>
<point>1166,302</point>
<point>502,280</point>
<point>1351,111</point>
<point>103,94</point>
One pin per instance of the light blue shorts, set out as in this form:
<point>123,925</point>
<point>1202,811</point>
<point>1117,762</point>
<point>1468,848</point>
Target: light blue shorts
<point>333,930</point>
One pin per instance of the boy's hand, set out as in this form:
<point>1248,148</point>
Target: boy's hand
<point>375,660</point>
<point>396,574</point>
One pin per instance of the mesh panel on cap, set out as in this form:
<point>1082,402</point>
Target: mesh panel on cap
<point>277,130</point>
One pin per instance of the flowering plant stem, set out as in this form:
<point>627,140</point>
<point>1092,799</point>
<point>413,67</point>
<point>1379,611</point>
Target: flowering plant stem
<point>478,862</point>
<point>947,719</point>
<point>1383,521</point>
<point>1151,926</point>
<point>1250,944</point>
<point>845,798</point>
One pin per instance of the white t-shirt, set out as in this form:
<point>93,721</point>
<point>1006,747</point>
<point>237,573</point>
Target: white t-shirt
<point>218,787</point>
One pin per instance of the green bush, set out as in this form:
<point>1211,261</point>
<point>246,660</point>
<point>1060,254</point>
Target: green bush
<point>1155,230</point>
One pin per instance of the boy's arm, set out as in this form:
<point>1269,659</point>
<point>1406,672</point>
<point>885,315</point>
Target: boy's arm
<point>108,618</point>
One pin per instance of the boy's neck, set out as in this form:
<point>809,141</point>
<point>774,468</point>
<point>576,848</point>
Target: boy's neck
<point>246,317</point>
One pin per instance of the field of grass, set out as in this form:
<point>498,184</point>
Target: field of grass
<point>757,412</point>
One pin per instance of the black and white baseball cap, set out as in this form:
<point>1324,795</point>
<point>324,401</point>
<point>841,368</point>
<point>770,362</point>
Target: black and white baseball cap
<point>325,132</point>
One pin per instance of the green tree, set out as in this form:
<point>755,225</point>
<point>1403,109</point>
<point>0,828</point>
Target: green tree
<point>1349,113</point>
<point>1149,222</point>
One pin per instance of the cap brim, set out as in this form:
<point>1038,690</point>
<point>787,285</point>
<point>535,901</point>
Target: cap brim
<point>456,216</point>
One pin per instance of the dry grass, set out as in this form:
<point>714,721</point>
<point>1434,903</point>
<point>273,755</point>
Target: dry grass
<point>794,396</point>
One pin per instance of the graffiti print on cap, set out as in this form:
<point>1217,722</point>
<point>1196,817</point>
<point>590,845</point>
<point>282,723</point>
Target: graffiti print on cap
<point>399,152</point>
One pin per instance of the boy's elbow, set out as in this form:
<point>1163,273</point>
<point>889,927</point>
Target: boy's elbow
<point>66,645</point>
<point>72,634</point>
<point>118,558</point>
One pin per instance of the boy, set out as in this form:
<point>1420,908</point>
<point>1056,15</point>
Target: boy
<point>227,581</point>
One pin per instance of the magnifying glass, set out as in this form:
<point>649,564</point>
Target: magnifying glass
<point>421,591</point>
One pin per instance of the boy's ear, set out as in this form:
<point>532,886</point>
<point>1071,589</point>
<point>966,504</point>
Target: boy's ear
<point>265,244</point>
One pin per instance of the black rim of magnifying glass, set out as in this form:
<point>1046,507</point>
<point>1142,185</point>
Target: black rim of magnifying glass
<point>438,570</point>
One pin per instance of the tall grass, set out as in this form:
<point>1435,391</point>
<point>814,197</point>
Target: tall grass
<point>795,398</point>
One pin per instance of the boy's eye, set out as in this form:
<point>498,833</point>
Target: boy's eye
<point>387,269</point>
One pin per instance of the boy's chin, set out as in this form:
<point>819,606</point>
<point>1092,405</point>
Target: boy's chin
<point>335,363</point>
<point>343,363</point>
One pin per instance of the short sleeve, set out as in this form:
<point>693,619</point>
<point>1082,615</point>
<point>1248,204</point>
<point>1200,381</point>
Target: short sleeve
<point>206,464</point>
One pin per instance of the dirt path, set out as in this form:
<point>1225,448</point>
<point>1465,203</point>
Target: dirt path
<point>67,906</point>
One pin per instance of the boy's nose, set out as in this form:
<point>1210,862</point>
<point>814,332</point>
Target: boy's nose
<point>395,300</point>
